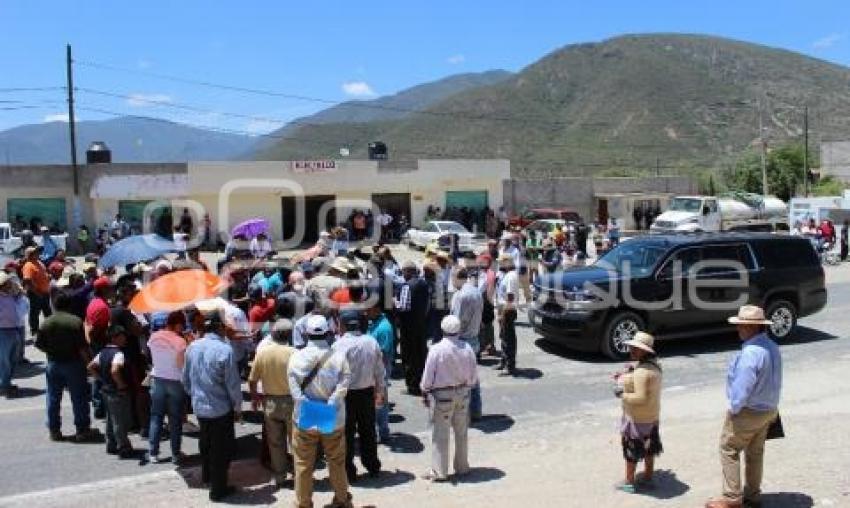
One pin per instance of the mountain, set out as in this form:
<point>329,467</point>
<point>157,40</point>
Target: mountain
<point>131,139</point>
<point>635,102</point>
<point>392,107</point>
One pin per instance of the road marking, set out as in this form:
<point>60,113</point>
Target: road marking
<point>101,485</point>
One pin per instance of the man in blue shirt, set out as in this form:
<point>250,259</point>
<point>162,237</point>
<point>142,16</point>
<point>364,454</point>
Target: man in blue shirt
<point>211,379</point>
<point>753,387</point>
<point>381,328</point>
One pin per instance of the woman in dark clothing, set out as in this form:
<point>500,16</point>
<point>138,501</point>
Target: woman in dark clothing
<point>844,232</point>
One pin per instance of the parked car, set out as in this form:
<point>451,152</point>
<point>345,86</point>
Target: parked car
<point>662,283</point>
<point>545,227</point>
<point>433,230</point>
<point>10,243</point>
<point>529,216</point>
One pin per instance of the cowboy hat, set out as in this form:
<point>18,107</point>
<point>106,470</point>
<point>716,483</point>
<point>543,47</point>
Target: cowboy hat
<point>642,340</point>
<point>750,315</point>
<point>341,264</point>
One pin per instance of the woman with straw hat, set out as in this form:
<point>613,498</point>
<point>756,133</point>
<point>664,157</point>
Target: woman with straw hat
<point>640,390</point>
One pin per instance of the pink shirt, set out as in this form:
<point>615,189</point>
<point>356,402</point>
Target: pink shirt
<point>451,363</point>
<point>167,354</point>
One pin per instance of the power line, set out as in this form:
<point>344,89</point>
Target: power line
<point>31,89</point>
<point>371,105</point>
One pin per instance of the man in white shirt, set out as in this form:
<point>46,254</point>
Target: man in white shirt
<point>260,246</point>
<point>507,295</point>
<point>364,393</point>
<point>450,373</point>
<point>319,374</point>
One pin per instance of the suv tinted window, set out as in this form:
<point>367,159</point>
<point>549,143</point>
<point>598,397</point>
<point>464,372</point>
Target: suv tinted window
<point>786,253</point>
<point>688,257</point>
<point>730,253</point>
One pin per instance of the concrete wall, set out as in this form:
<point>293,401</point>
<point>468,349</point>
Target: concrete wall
<point>56,181</point>
<point>257,187</point>
<point>580,193</point>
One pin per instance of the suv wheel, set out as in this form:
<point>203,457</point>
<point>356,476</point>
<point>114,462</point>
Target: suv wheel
<point>784,317</point>
<point>621,327</point>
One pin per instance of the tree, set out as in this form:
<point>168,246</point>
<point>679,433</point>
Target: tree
<point>828,186</point>
<point>784,171</point>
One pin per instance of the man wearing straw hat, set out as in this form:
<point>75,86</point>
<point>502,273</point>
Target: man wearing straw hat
<point>753,387</point>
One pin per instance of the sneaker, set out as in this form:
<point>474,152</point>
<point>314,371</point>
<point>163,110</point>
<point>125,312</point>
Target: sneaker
<point>155,458</point>
<point>56,436</point>
<point>433,477</point>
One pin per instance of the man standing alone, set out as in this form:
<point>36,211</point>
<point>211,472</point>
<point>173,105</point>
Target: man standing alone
<point>211,379</point>
<point>753,386</point>
<point>450,372</point>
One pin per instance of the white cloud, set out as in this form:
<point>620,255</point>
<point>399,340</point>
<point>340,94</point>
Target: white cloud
<point>141,100</point>
<point>56,117</point>
<point>358,89</point>
<point>828,41</point>
<point>456,59</point>
<point>260,126</point>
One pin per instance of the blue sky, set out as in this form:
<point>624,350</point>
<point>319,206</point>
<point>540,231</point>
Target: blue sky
<point>336,50</point>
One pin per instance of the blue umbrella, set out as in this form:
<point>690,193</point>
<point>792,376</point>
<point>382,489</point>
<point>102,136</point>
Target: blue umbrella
<point>135,249</point>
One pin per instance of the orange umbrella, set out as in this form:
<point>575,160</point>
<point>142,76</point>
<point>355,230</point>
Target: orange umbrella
<point>177,290</point>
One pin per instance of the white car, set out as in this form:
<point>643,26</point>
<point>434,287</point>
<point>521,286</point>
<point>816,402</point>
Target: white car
<point>10,243</point>
<point>433,230</point>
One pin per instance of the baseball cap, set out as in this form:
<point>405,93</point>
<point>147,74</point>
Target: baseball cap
<point>158,320</point>
<point>350,316</point>
<point>317,325</point>
<point>450,325</point>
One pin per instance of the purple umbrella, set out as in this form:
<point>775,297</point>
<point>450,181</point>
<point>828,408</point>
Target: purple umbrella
<point>251,228</point>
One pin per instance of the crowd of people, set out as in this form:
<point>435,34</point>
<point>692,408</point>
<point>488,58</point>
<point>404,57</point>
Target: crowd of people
<point>318,338</point>
<point>326,326</point>
<point>824,236</point>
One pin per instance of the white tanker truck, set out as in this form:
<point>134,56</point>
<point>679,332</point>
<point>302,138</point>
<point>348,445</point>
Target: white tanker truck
<point>730,212</point>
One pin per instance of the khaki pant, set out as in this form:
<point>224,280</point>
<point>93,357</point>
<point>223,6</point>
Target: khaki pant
<point>278,411</point>
<point>449,411</point>
<point>304,445</point>
<point>744,432</point>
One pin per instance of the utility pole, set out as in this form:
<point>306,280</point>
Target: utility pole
<point>763,142</point>
<point>71,122</point>
<point>806,151</point>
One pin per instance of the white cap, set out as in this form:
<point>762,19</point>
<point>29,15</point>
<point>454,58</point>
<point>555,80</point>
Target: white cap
<point>450,325</point>
<point>317,325</point>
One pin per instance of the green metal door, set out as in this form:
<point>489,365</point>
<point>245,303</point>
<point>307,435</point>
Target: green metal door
<point>48,212</point>
<point>474,200</point>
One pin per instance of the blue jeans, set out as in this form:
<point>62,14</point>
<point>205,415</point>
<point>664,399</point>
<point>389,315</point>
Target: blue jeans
<point>167,397</point>
<point>382,414</point>
<point>475,392</point>
<point>8,355</point>
<point>70,375</point>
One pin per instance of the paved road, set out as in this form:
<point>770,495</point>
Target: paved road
<point>553,384</point>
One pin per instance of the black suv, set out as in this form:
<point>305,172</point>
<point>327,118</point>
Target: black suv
<point>678,286</point>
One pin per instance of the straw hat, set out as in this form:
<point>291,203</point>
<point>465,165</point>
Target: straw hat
<point>750,315</point>
<point>642,340</point>
<point>506,260</point>
<point>341,264</point>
